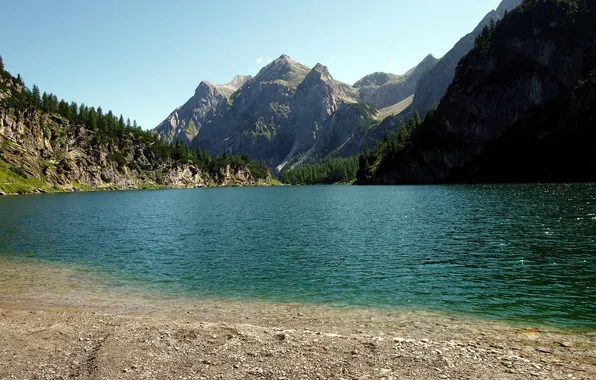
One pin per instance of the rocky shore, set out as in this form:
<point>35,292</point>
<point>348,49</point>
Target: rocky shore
<point>60,322</point>
<point>235,340</point>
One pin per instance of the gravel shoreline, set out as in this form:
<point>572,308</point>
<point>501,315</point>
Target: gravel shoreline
<point>61,322</point>
<point>236,340</point>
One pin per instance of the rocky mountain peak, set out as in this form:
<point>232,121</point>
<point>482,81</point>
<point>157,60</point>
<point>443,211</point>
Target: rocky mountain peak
<point>422,67</point>
<point>283,68</point>
<point>320,72</point>
<point>428,59</point>
<point>205,86</point>
<point>376,79</point>
<point>238,81</point>
<point>206,89</point>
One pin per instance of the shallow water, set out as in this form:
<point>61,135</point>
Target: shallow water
<point>512,252</point>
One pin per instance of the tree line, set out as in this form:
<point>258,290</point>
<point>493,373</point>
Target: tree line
<point>389,150</point>
<point>335,170</point>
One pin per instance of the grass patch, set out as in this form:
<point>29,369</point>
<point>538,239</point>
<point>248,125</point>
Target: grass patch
<point>150,186</point>
<point>81,187</point>
<point>274,182</point>
<point>12,181</point>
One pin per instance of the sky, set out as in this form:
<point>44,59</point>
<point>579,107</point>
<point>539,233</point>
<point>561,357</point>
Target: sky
<point>144,58</point>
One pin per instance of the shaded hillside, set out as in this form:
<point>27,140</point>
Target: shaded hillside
<point>433,84</point>
<point>522,105</point>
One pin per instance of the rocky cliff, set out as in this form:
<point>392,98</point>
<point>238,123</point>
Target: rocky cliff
<point>433,83</point>
<point>521,107</point>
<point>44,151</point>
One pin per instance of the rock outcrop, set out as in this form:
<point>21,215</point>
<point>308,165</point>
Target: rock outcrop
<point>42,151</point>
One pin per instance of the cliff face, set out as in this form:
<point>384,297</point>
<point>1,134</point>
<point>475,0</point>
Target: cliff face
<point>521,106</point>
<point>69,157</point>
<point>42,151</point>
<point>433,83</point>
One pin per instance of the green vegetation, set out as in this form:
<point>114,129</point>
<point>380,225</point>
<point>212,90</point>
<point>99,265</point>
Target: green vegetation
<point>335,170</point>
<point>13,180</point>
<point>261,129</point>
<point>273,182</point>
<point>388,150</point>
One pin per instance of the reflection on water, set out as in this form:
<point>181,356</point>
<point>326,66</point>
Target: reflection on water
<point>522,252</point>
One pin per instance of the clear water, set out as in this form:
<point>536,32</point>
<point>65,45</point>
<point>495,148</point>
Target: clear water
<point>512,252</point>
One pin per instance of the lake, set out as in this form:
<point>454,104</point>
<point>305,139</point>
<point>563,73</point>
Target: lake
<point>509,252</point>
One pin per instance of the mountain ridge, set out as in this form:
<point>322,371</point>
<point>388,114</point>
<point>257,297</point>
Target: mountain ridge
<point>279,114</point>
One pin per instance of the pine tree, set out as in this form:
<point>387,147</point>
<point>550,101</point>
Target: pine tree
<point>121,124</point>
<point>417,119</point>
<point>53,103</point>
<point>35,97</point>
<point>73,111</point>
<point>92,118</point>
<point>45,102</point>
<point>82,117</point>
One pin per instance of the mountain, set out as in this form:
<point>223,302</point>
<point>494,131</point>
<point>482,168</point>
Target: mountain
<point>433,83</point>
<point>288,113</point>
<point>384,90</point>
<point>47,146</point>
<point>521,107</point>
<point>208,101</point>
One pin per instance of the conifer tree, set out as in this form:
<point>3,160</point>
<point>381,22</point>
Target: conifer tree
<point>121,124</point>
<point>35,97</point>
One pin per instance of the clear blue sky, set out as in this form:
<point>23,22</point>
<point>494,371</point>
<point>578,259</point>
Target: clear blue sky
<point>143,58</point>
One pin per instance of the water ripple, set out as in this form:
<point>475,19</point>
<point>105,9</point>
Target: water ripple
<point>522,252</point>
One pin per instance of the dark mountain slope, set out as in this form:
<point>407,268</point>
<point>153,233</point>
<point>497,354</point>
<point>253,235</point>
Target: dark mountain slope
<point>521,107</point>
<point>433,84</point>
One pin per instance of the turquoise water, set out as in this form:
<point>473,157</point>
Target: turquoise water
<point>513,252</point>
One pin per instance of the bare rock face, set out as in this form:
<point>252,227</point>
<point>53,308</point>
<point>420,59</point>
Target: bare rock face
<point>57,153</point>
<point>281,116</point>
<point>208,102</point>
<point>433,83</point>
